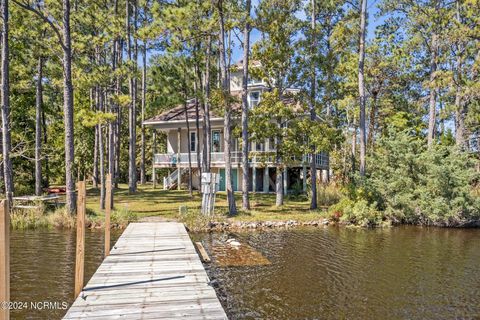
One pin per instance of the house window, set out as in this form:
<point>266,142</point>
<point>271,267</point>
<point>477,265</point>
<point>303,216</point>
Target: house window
<point>215,140</point>
<point>193,141</point>
<point>253,81</point>
<point>271,144</point>
<point>235,145</point>
<point>259,146</point>
<point>254,99</point>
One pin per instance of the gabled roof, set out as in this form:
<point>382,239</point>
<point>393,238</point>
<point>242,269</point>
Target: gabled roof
<point>252,63</point>
<point>178,112</point>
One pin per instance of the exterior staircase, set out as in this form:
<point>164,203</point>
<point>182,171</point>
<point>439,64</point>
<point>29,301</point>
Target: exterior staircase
<point>170,181</point>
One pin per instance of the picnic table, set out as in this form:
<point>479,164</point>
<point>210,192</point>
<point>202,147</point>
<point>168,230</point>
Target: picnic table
<point>31,202</point>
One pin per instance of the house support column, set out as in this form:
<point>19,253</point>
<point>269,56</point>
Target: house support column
<point>285,180</point>
<point>325,177</point>
<point>154,151</point>
<point>304,178</point>
<point>179,176</point>
<point>254,178</point>
<point>266,180</point>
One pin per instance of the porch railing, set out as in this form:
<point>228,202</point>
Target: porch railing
<point>258,157</point>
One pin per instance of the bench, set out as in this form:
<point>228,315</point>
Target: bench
<point>25,202</point>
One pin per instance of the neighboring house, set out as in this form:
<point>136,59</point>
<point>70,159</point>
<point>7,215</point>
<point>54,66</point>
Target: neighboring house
<point>262,169</point>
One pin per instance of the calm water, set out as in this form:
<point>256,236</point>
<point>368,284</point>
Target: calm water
<point>331,273</point>
<point>42,268</point>
<point>339,273</point>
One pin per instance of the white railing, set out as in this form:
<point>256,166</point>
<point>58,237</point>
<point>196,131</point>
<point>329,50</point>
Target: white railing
<point>170,180</point>
<point>172,159</point>
<point>321,159</point>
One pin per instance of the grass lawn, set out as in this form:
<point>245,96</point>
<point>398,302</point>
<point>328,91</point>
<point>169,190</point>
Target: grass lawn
<point>165,203</point>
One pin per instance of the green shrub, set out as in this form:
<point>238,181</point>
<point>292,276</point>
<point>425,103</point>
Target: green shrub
<point>60,218</point>
<point>23,219</point>
<point>339,209</point>
<point>411,183</point>
<point>363,214</point>
<point>39,218</point>
<point>194,219</point>
<point>328,195</point>
<point>122,217</point>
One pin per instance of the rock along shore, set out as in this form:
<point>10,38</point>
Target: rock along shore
<point>217,226</point>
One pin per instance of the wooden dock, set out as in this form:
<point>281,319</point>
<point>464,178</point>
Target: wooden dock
<point>153,272</point>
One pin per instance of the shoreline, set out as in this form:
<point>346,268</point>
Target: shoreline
<point>200,224</point>
<point>224,226</point>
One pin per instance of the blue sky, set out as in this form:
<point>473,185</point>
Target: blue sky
<point>373,22</point>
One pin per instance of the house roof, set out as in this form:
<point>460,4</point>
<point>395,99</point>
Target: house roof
<point>178,112</point>
<point>252,63</point>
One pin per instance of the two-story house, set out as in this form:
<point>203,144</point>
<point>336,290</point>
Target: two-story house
<point>180,141</point>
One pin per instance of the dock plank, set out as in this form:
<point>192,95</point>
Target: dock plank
<point>152,272</point>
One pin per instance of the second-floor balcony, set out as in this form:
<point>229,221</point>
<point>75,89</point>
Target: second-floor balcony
<point>260,158</point>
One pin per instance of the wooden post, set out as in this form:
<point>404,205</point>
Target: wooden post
<point>80,252</point>
<point>108,210</point>
<point>4,258</point>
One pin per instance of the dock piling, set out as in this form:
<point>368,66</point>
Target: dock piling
<point>4,258</point>
<point>80,249</point>
<point>108,210</point>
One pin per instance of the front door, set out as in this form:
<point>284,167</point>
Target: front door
<point>222,185</point>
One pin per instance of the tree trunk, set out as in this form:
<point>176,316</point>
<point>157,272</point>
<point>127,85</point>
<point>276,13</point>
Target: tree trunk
<point>197,130</point>
<point>245,140</point>
<point>313,114</point>
<point>45,140</point>
<point>433,92</point>
<point>361,87</point>
<point>279,185</point>
<point>353,152</point>
<point>144,96</point>
<point>132,181</point>
<point>197,121</point>
<point>115,157</point>
<point>38,128</point>
<point>279,172</point>
<point>206,110</point>
<point>2,177</point>
<point>68,110</point>
<point>135,93</point>
<point>95,159</point>
<point>6,138</point>
<point>329,85</point>
<point>460,111</point>
<point>232,208</point>
<point>190,190</point>
<point>372,123</point>
<point>111,124</point>
<point>101,148</point>
<point>94,107</point>
<point>118,124</point>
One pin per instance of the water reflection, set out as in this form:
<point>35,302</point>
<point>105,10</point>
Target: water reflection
<point>396,273</point>
<point>42,268</point>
